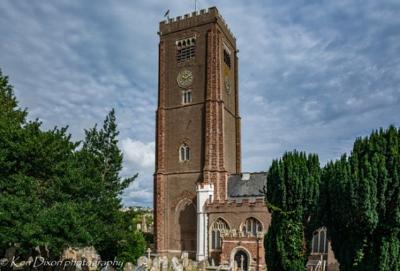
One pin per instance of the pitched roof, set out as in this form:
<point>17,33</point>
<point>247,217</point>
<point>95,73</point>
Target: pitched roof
<point>247,185</point>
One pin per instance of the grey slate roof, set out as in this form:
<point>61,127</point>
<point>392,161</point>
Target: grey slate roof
<point>247,185</point>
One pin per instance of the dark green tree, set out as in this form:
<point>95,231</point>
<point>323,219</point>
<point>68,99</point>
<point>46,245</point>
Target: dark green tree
<point>56,194</point>
<point>292,197</point>
<point>29,160</point>
<point>360,199</point>
<point>106,163</point>
<point>132,243</point>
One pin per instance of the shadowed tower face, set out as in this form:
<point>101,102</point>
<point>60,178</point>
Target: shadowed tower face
<point>198,123</point>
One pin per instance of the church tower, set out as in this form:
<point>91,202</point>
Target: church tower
<point>198,123</point>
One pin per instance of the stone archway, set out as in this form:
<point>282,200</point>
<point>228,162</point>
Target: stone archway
<point>186,225</point>
<point>241,258</point>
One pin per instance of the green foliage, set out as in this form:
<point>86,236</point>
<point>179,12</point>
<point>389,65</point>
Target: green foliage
<point>100,146</point>
<point>63,225</point>
<point>360,203</point>
<point>292,197</point>
<point>132,243</point>
<point>56,194</point>
<point>284,244</point>
<point>131,247</point>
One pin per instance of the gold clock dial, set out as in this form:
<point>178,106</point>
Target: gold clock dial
<point>185,78</point>
<point>227,82</point>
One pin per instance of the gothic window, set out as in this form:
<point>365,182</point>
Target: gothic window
<point>251,226</point>
<point>227,58</point>
<point>319,241</point>
<point>219,227</point>
<point>184,153</point>
<point>186,96</point>
<point>185,49</point>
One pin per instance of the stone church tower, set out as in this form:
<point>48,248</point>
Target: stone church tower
<point>198,123</point>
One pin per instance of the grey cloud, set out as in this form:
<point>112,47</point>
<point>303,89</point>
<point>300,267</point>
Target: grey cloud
<point>313,75</point>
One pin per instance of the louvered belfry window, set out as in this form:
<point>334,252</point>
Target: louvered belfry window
<point>185,49</point>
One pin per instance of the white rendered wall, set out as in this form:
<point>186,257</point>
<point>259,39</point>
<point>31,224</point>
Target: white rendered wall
<point>204,192</point>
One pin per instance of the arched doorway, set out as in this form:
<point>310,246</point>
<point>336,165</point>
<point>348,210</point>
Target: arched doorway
<point>242,260</point>
<point>186,225</point>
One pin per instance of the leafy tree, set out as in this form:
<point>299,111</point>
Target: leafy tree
<point>292,197</point>
<point>101,145</point>
<point>63,225</point>
<point>361,203</point>
<point>56,194</point>
<point>132,243</point>
<point>29,160</point>
<point>33,161</point>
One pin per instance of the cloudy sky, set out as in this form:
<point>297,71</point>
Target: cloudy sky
<point>314,75</point>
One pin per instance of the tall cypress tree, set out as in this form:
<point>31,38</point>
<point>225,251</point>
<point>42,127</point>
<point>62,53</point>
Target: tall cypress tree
<point>292,196</point>
<point>360,203</point>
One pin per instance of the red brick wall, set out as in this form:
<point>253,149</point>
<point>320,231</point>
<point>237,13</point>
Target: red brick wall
<point>235,214</point>
<point>251,245</point>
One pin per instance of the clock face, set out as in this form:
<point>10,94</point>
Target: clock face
<point>185,78</point>
<point>227,82</point>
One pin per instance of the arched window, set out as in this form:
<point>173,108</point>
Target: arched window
<point>186,96</point>
<point>184,153</point>
<point>219,227</point>
<point>251,226</point>
<point>319,241</point>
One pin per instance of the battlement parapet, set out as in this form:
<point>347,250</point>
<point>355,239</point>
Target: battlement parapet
<point>205,186</point>
<point>247,202</point>
<point>226,25</point>
<point>192,19</point>
<point>211,10</point>
<point>234,234</point>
